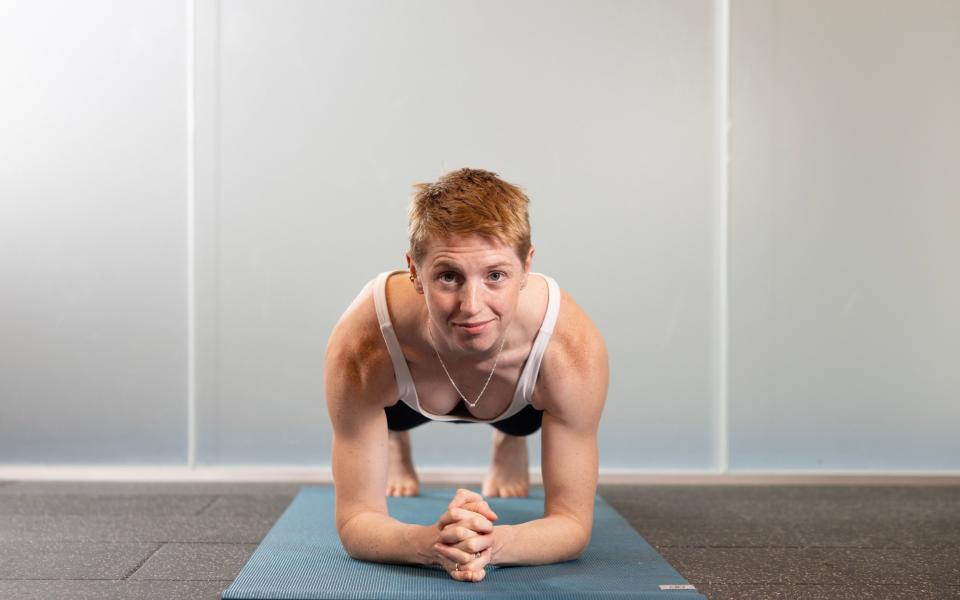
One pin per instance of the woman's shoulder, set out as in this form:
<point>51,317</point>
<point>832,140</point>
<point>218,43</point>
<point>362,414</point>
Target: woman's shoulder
<point>357,342</point>
<point>361,318</point>
<point>575,334</point>
<point>576,353</point>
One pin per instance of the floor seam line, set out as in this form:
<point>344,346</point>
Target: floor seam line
<point>143,562</point>
<point>206,506</point>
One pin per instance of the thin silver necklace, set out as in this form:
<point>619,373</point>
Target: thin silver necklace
<point>462,395</point>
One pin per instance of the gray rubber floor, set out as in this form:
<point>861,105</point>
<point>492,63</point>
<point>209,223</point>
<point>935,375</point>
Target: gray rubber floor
<point>140,540</point>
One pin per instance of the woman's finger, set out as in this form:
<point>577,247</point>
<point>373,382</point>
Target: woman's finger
<point>453,554</point>
<point>459,571</point>
<point>460,555</point>
<point>470,576</point>
<point>480,507</point>
<point>474,544</point>
<point>465,517</point>
<point>463,496</point>
<point>454,534</point>
<point>470,544</point>
<point>477,563</point>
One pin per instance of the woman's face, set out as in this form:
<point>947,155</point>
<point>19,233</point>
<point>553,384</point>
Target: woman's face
<point>471,285</point>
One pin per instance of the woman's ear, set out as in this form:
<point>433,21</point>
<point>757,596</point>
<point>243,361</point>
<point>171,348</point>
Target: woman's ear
<point>411,266</point>
<point>417,285</point>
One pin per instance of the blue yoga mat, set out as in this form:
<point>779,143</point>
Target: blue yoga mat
<point>301,558</point>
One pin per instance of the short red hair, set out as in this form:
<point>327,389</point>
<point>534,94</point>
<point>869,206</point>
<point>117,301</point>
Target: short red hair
<point>469,201</point>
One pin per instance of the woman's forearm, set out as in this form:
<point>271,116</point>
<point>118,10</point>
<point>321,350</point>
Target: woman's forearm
<point>540,542</point>
<point>377,537</point>
<point>380,538</point>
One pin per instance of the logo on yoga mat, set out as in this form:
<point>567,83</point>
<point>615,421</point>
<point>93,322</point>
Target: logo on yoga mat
<point>677,587</point>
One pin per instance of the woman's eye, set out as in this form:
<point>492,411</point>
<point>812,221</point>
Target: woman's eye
<point>450,276</point>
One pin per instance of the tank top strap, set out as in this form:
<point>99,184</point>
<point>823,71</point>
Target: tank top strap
<point>528,378</point>
<point>400,369</point>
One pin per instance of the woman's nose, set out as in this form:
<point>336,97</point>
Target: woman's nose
<point>470,297</point>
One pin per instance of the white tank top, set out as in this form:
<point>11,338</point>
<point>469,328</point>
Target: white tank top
<point>528,376</point>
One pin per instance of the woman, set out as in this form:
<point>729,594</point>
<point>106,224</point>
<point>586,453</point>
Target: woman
<point>466,334</point>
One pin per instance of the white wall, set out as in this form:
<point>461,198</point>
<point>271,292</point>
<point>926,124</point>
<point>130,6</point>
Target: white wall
<point>135,250</point>
<point>93,250</point>
<point>845,235</point>
<point>329,111</point>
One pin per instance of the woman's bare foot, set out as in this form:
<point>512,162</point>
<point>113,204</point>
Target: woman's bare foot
<point>509,473</point>
<point>401,476</point>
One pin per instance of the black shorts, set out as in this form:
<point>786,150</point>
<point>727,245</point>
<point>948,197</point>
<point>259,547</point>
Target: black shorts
<point>401,417</point>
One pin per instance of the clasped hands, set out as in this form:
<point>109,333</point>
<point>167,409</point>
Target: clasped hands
<point>464,544</point>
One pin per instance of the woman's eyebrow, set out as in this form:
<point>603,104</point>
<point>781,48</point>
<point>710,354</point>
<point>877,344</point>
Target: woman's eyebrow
<point>445,264</point>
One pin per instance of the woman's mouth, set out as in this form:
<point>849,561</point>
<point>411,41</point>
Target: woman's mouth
<point>477,327</point>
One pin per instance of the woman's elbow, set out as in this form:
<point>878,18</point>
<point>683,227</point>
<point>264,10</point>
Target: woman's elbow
<point>345,542</point>
<point>583,542</point>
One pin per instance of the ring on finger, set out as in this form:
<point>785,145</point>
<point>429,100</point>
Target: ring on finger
<point>458,567</point>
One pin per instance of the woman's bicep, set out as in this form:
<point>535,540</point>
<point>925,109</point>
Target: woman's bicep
<point>360,450</point>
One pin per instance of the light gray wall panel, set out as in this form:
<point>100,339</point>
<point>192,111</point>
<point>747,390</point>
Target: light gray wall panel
<point>329,111</point>
<point>844,331</point>
<point>92,232</point>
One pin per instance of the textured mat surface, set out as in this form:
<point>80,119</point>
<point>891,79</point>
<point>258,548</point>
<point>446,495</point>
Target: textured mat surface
<point>301,558</point>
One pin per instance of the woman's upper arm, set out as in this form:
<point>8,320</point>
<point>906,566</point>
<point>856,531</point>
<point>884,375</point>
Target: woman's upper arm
<point>356,381</point>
